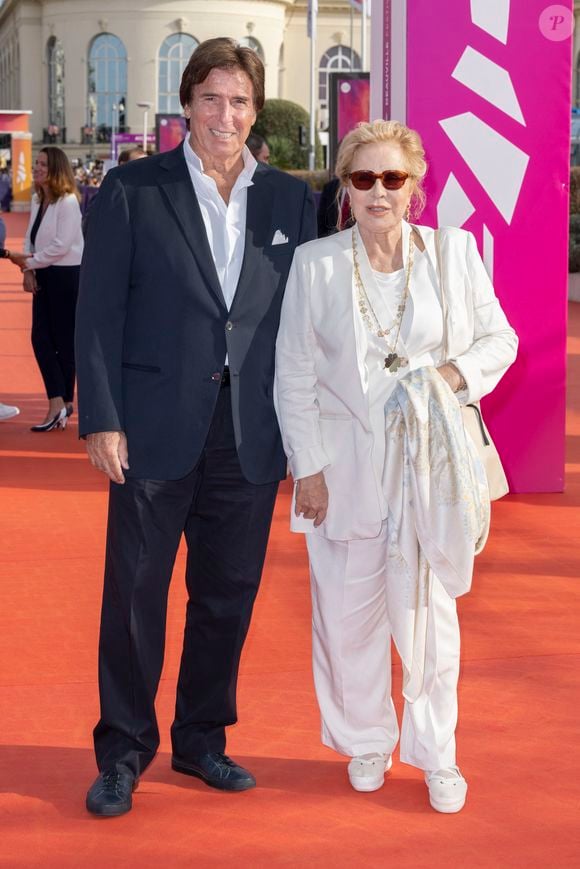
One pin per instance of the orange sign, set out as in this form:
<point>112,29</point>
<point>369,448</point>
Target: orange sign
<point>21,171</point>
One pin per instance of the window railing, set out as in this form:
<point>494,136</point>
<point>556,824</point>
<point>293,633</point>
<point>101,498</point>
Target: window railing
<point>53,135</point>
<point>100,134</point>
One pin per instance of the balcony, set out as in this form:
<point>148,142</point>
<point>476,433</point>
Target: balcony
<point>53,135</point>
<point>99,135</point>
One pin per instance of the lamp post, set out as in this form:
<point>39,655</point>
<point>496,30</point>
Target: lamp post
<point>113,132</point>
<point>312,19</point>
<point>145,106</point>
<point>92,122</point>
<point>363,34</point>
<point>120,120</point>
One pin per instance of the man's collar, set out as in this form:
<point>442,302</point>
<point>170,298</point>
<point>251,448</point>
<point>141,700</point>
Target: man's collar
<point>194,160</point>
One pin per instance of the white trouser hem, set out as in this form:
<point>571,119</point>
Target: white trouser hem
<point>429,763</point>
<point>359,748</point>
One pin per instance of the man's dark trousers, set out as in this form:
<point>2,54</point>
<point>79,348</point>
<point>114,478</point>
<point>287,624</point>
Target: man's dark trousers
<point>226,521</point>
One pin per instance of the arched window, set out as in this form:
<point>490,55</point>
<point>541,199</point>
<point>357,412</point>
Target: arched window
<point>174,55</point>
<point>55,63</point>
<point>107,83</point>
<point>337,58</point>
<point>250,42</point>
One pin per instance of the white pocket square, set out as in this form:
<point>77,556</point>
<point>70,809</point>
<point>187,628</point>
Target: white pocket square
<point>279,238</point>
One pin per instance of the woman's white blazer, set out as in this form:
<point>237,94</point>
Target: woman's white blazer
<point>320,391</point>
<point>59,240</point>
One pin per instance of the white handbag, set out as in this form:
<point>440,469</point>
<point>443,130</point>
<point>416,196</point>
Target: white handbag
<point>472,416</point>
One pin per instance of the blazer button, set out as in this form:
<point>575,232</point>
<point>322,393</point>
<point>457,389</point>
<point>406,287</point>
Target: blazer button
<point>229,325</point>
<point>216,376</point>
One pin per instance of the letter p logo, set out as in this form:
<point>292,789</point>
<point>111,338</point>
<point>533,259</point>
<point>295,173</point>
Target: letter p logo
<point>556,23</point>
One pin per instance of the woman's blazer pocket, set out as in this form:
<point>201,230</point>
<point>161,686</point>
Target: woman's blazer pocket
<point>353,507</point>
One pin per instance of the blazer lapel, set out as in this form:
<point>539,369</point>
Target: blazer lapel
<point>175,183</point>
<point>258,222</point>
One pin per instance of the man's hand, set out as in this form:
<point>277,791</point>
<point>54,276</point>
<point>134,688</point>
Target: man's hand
<point>312,498</point>
<point>108,453</point>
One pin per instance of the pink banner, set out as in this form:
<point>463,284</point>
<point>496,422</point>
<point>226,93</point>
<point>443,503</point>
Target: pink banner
<point>352,104</point>
<point>488,88</point>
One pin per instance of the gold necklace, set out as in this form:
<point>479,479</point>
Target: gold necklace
<point>392,360</point>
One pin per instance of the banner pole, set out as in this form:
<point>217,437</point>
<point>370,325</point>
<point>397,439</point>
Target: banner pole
<point>312,16</point>
<point>363,35</point>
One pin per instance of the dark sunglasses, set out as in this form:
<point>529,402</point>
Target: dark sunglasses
<point>391,179</point>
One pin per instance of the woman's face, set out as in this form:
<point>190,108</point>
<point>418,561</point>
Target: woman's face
<point>379,210</point>
<point>40,171</point>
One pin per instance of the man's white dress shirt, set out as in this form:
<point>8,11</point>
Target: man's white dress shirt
<point>225,224</point>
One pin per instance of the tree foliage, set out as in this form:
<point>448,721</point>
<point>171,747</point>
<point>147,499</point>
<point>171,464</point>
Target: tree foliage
<point>279,123</point>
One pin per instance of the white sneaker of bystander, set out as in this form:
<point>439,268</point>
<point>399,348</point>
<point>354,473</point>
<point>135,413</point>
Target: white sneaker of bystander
<point>7,411</point>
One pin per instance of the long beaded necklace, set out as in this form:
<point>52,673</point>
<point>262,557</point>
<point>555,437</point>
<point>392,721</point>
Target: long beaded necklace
<point>392,360</point>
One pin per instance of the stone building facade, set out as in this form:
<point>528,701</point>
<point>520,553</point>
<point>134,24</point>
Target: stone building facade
<point>78,64</point>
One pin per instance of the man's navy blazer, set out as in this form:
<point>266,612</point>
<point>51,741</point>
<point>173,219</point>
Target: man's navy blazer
<point>153,328</point>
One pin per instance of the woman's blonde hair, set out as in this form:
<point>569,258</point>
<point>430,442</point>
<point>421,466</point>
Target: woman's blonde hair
<point>392,132</point>
<point>60,178</point>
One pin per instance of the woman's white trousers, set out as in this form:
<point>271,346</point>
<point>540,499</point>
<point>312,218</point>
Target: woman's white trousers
<point>356,612</point>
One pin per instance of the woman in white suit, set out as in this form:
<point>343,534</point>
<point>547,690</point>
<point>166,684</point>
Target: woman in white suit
<point>53,249</point>
<point>364,349</point>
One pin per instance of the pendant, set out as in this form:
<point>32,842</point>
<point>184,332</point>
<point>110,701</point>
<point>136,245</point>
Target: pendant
<point>393,362</point>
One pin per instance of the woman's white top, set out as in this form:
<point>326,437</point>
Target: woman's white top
<point>59,240</point>
<point>421,341</point>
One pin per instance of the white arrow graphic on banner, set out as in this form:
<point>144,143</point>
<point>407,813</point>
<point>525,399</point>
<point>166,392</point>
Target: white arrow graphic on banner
<point>21,171</point>
<point>454,207</point>
<point>492,16</point>
<point>490,81</point>
<point>498,164</point>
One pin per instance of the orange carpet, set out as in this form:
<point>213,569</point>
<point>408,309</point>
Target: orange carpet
<point>519,700</point>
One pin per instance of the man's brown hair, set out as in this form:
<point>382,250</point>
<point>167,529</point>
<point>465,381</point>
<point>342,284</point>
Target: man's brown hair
<point>222,53</point>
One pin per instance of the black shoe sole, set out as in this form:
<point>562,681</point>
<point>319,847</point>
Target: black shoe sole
<point>109,811</point>
<point>185,769</point>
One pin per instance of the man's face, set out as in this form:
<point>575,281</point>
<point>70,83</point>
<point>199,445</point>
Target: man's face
<point>221,113</point>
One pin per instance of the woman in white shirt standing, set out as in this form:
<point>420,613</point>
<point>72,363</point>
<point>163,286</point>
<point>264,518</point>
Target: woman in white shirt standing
<point>374,356</point>
<point>51,265</point>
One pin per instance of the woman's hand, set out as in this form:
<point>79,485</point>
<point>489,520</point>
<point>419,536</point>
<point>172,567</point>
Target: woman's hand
<point>312,498</point>
<point>29,284</point>
<point>19,259</point>
<point>452,376</point>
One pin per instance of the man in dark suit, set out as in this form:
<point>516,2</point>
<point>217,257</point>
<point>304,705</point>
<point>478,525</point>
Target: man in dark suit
<point>182,281</point>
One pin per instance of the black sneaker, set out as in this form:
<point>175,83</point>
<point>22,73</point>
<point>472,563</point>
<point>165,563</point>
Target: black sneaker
<point>216,770</point>
<point>111,793</point>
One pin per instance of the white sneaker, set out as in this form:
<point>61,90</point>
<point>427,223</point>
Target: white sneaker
<point>447,789</point>
<point>7,411</point>
<point>367,772</point>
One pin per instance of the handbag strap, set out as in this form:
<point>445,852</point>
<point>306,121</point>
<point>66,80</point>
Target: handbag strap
<point>441,278</point>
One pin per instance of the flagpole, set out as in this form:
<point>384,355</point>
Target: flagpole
<point>352,31</point>
<point>363,35</point>
<point>312,20</point>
